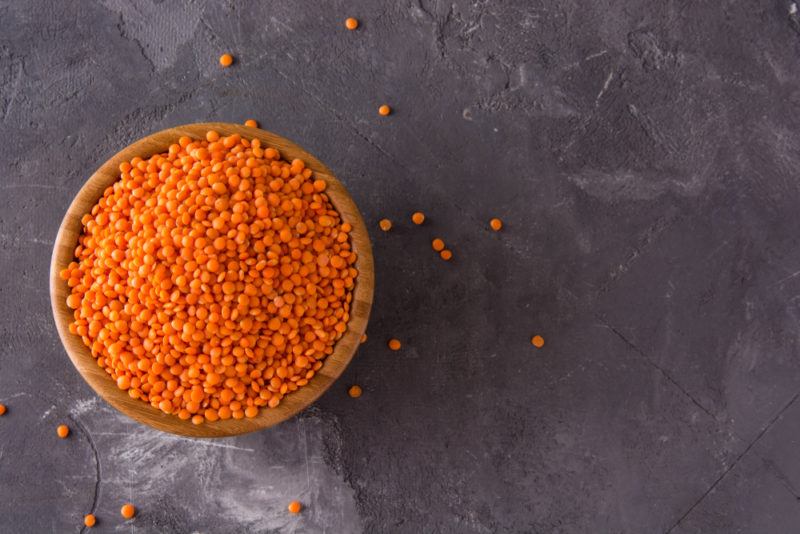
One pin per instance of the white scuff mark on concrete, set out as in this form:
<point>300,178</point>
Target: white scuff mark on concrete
<point>604,89</point>
<point>16,396</point>
<point>245,481</point>
<point>635,186</point>
<point>16,240</point>
<point>793,8</point>
<point>206,443</point>
<point>596,54</point>
<point>48,411</point>
<point>32,186</point>
<point>85,406</point>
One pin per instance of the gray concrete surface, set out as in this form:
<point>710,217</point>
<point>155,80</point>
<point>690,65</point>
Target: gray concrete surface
<point>643,156</point>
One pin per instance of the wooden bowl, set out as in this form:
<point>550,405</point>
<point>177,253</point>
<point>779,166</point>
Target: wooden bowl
<point>102,383</point>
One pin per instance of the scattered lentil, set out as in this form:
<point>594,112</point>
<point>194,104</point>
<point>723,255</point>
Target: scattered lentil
<point>62,431</point>
<point>437,244</point>
<point>351,23</point>
<point>226,60</point>
<point>3,406</point>
<point>418,217</point>
<point>251,123</point>
<point>384,110</point>
<point>127,510</point>
<point>354,391</point>
<point>537,341</point>
<point>89,520</point>
<point>385,224</point>
<point>295,507</point>
<point>395,344</point>
<point>496,224</point>
<point>446,254</point>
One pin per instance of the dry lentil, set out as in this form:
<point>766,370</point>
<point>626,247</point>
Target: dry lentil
<point>127,510</point>
<point>211,274</point>
<point>226,60</point>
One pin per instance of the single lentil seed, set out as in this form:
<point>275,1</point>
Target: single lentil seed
<point>496,224</point>
<point>437,244</point>
<point>295,507</point>
<point>537,341</point>
<point>385,224</point>
<point>251,123</point>
<point>446,254</point>
<point>89,520</point>
<point>384,110</point>
<point>127,510</point>
<point>226,60</point>
<point>394,344</point>
<point>354,391</point>
<point>62,431</point>
<point>351,23</point>
<point>418,217</point>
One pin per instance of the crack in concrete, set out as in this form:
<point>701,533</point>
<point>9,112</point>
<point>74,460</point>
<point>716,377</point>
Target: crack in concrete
<point>98,471</point>
<point>735,462</point>
<point>660,369</point>
<point>780,475</point>
<point>121,28</point>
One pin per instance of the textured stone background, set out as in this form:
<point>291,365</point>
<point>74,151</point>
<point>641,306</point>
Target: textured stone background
<point>643,155</point>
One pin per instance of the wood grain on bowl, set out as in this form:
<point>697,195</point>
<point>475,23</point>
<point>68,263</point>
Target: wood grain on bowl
<point>101,382</point>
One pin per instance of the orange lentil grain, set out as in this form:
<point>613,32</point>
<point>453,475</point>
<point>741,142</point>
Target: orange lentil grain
<point>385,224</point>
<point>295,507</point>
<point>496,224</point>
<point>251,123</point>
<point>437,244</point>
<point>89,520</point>
<point>537,341</point>
<point>363,340</point>
<point>127,510</point>
<point>212,280</point>
<point>446,254</point>
<point>395,344</point>
<point>354,391</point>
<point>384,110</point>
<point>2,409</point>
<point>418,217</point>
<point>62,431</point>
<point>226,60</point>
<point>351,23</point>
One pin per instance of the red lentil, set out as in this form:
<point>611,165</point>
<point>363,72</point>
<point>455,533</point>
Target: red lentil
<point>226,60</point>
<point>215,273</point>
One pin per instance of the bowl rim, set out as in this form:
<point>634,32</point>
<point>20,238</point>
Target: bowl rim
<point>86,365</point>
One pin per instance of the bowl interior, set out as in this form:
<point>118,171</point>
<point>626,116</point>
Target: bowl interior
<point>101,382</point>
